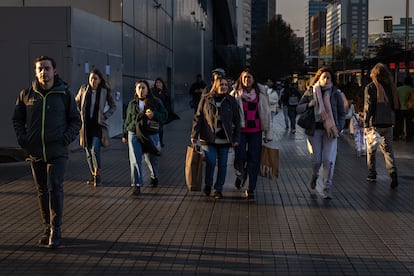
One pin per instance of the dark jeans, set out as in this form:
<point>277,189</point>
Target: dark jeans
<point>247,157</point>
<point>48,178</point>
<point>292,116</point>
<point>403,121</point>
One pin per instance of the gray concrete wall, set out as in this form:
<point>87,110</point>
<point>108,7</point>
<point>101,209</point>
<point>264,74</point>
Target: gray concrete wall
<point>156,41</point>
<point>72,37</point>
<point>188,53</point>
<point>26,34</point>
<point>96,43</point>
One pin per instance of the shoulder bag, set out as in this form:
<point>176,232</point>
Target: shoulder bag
<point>307,119</point>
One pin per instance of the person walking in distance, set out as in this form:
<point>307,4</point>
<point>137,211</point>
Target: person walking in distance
<point>380,120</point>
<point>403,118</point>
<point>273,98</point>
<point>92,100</point>
<point>284,104</point>
<point>196,90</point>
<point>291,97</point>
<point>46,120</point>
<point>160,91</point>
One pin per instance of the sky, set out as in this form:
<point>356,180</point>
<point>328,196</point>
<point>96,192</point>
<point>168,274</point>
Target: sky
<point>293,12</point>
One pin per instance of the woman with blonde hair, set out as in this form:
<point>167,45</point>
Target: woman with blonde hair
<point>380,104</point>
<point>216,124</point>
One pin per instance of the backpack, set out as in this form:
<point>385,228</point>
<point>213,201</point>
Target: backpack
<point>293,99</point>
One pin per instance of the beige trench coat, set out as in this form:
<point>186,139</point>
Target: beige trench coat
<point>105,98</point>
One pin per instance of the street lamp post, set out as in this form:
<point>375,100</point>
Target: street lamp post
<point>333,40</point>
<point>407,64</point>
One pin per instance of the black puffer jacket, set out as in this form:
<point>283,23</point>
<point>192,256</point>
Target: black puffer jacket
<point>46,122</point>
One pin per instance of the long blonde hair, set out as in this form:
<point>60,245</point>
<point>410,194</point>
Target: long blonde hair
<point>216,85</point>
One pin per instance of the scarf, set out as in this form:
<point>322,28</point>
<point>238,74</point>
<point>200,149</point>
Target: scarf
<point>248,96</point>
<point>323,109</point>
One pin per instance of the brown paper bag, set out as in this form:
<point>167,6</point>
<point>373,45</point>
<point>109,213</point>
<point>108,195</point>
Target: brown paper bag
<point>269,162</point>
<point>193,168</point>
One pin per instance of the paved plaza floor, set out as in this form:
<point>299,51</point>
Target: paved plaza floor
<point>366,229</point>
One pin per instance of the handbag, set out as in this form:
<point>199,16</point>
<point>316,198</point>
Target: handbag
<point>193,167</point>
<point>269,162</point>
<point>384,114</point>
<point>152,126</point>
<point>306,119</point>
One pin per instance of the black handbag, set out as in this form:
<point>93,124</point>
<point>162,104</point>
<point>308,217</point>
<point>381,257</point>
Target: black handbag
<point>307,119</point>
<point>146,126</point>
<point>152,126</point>
<point>384,114</point>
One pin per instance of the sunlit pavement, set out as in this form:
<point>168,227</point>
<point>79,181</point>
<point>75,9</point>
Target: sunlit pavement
<point>365,229</point>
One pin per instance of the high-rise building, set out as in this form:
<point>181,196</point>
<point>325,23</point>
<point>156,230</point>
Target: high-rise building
<point>347,25</point>
<point>317,33</point>
<point>312,8</point>
<point>244,25</point>
<point>399,31</point>
<point>262,12</point>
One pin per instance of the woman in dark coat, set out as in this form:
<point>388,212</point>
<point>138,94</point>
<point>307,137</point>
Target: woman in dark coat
<point>160,91</point>
<point>216,124</point>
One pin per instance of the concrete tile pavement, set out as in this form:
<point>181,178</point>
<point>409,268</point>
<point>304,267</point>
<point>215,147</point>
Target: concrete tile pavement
<point>365,229</point>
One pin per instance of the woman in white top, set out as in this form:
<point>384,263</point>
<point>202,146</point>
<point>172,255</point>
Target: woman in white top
<point>273,98</point>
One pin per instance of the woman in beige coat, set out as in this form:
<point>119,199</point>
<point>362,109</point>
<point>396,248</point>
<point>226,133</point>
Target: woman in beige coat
<point>91,100</point>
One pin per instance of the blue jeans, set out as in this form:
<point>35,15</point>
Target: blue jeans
<point>386,149</point>
<point>247,157</point>
<point>135,159</point>
<point>48,178</point>
<point>323,154</point>
<point>213,153</point>
<point>93,155</point>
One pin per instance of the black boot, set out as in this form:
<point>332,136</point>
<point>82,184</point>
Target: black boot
<point>154,182</point>
<point>55,239</point>
<point>394,180</point>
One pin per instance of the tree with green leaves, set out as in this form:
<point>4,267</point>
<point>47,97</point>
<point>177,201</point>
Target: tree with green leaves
<point>276,52</point>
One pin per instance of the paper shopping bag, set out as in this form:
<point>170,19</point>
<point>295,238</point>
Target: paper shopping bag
<point>193,168</point>
<point>269,162</point>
